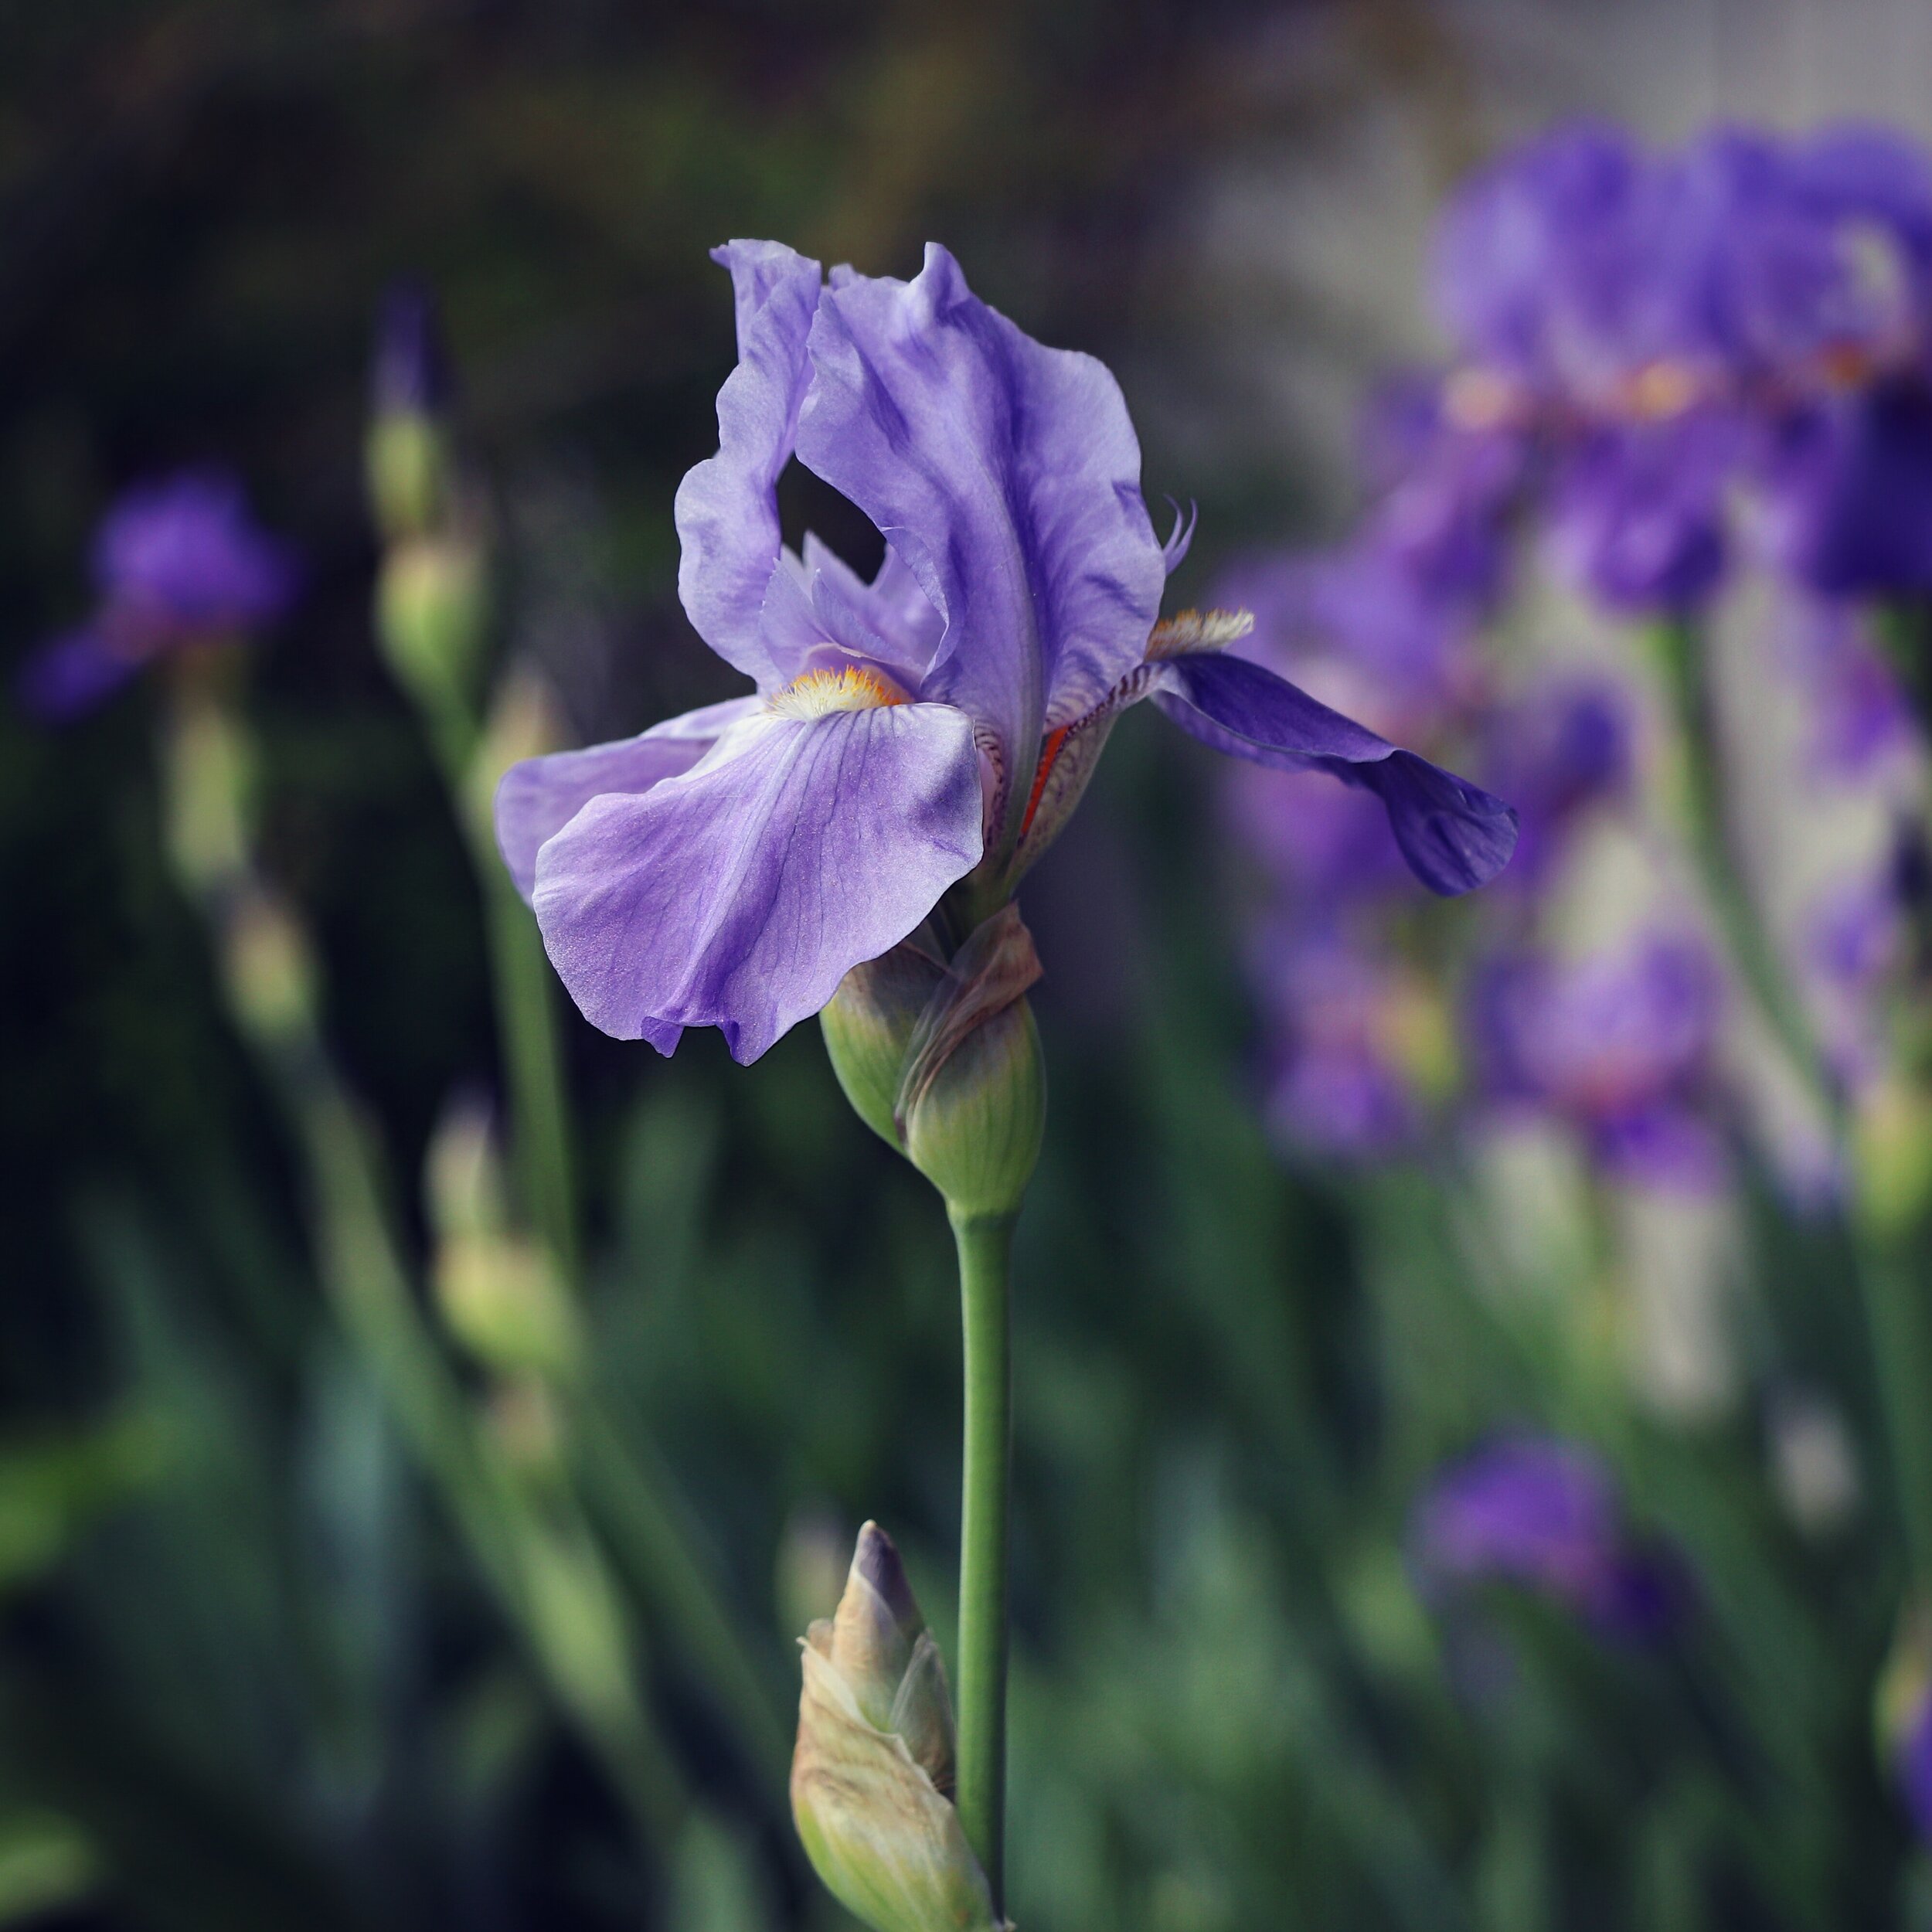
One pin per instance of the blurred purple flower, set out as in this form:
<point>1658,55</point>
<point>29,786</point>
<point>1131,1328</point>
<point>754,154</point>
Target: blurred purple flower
<point>1534,258</point>
<point>1854,941</point>
<point>1846,485</point>
<point>175,562</point>
<point>1543,1513</point>
<point>1636,515</point>
<point>728,868</point>
<point>1862,724</point>
<point>1618,1044</point>
<point>1339,1086</point>
<point>1566,744</point>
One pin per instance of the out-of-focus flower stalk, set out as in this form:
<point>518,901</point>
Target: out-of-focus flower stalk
<point>1889,1140</point>
<point>433,616</point>
<point>1679,654</point>
<point>539,1560</point>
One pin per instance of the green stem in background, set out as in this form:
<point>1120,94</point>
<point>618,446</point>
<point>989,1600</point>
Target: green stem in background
<point>535,1554</point>
<point>1890,1261</point>
<point>527,1025</point>
<point>1679,651</point>
<point>985,1268</point>
<point>1892,1273</point>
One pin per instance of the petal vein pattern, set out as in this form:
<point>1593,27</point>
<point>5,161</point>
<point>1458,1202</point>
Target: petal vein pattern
<point>739,894</point>
<point>727,506</point>
<point>1005,475</point>
<point>538,797</point>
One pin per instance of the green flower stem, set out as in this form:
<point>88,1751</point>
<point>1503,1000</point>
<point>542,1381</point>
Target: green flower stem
<point>1892,1272</point>
<point>527,1023</point>
<point>985,1266</point>
<point>1890,1259</point>
<point>634,1498</point>
<point>1680,653</point>
<point>529,1544</point>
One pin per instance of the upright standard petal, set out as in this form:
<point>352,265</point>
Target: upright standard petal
<point>727,507</point>
<point>1006,476</point>
<point>1454,836</point>
<point>739,894</point>
<point>538,797</point>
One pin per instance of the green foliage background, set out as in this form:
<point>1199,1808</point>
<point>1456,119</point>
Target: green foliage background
<point>249,1676</point>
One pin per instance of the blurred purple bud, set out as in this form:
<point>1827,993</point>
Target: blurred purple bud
<point>1355,1048</point>
<point>411,374</point>
<point>1913,1762</point>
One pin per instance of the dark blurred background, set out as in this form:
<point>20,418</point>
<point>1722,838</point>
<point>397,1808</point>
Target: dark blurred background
<point>249,1675</point>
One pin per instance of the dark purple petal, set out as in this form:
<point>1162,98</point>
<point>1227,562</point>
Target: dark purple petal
<point>538,797</point>
<point>410,372</point>
<point>1006,477</point>
<point>1914,1761</point>
<point>67,677</point>
<point>727,506</point>
<point>739,894</point>
<point>1638,521</point>
<point>183,556</point>
<point>1454,837</point>
<point>1849,487</point>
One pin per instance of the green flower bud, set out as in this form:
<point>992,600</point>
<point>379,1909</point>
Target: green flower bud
<point>523,722</point>
<point>497,1290</point>
<point>269,967</point>
<point>431,609</point>
<point>1892,1144</point>
<point>943,1061</point>
<point>208,770</point>
<point>409,472</point>
<point>872,1777</point>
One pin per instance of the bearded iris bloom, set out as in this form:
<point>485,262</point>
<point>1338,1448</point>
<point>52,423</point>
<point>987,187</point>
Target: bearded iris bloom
<point>176,564</point>
<point>930,729</point>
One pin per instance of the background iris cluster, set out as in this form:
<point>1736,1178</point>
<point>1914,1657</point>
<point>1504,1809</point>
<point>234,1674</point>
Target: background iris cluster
<point>1461,1482</point>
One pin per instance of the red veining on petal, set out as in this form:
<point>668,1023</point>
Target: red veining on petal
<point>1048,757</point>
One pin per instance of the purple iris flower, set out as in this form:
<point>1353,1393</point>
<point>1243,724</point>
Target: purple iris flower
<point>1619,1044</point>
<point>728,867</point>
<point>176,562</point>
<point>1543,1513</point>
